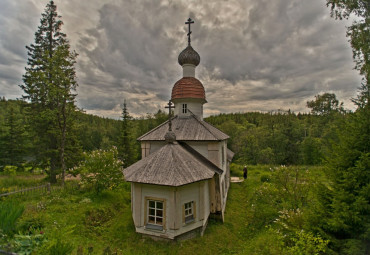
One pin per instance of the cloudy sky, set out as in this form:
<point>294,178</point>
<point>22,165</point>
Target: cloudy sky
<point>255,55</point>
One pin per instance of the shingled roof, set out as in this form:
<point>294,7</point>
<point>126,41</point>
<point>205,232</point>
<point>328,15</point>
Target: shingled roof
<point>188,87</point>
<point>186,129</point>
<point>175,164</point>
<point>230,154</point>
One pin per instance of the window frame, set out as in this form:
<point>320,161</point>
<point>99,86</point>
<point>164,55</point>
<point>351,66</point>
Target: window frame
<point>184,108</point>
<point>150,225</point>
<point>186,216</point>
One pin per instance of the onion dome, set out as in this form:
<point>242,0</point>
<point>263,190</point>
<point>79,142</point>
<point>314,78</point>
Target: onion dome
<point>188,87</point>
<point>170,137</point>
<point>189,56</point>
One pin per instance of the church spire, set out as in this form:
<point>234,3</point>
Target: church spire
<point>189,58</point>
<point>188,93</point>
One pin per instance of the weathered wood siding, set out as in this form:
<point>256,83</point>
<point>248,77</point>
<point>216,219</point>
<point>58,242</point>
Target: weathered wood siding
<point>174,198</point>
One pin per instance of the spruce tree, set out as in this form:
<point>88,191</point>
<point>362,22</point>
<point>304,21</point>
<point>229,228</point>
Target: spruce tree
<point>125,148</point>
<point>345,210</point>
<point>14,142</point>
<point>49,83</point>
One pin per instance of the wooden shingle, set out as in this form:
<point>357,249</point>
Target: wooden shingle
<point>186,129</point>
<point>230,154</point>
<point>174,164</point>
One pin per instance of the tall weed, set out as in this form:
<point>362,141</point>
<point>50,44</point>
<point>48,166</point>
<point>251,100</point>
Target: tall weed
<point>10,211</point>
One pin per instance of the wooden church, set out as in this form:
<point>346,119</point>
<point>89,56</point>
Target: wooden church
<point>184,176</point>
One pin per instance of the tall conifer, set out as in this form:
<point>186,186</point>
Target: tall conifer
<point>345,214</point>
<point>125,148</point>
<point>49,82</point>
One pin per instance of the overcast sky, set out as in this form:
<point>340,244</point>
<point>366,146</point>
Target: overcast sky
<point>255,55</point>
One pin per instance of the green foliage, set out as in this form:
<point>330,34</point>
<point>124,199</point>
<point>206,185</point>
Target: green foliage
<point>126,147</point>
<point>255,219</point>
<point>101,169</point>
<point>96,217</point>
<point>358,32</point>
<point>306,243</point>
<point>311,151</point>
<point>24,244</point>
<point>282,138</point>
<point>265,178</point>
<point>17,181</point>
<point>59,247</point>
<point>325,104</point>
<point>10,170</point>
<point>58,241</point>
<point>293,185</point>
<point>343,209</point>
<point>14,138</point>
<point>265,243</point>
<point>49,81</point>
<point>9,213</point>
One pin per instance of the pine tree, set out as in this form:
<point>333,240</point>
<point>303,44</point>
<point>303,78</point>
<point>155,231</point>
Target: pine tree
<point>49,81</point>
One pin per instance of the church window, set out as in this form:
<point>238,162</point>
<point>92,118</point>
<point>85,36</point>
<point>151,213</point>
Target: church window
<point>184,108</point>
<point>189,212</point>
<point>155,214</point>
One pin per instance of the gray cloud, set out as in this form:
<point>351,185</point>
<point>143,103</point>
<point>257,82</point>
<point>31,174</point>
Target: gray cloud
<point>255,55</point>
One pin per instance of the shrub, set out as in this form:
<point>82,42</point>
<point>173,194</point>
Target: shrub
<point>10,170</point>
<point>306,243</point>
<point>293,185</point>
<point>26,243</point>
<point>265,178</point>
<point>101,169</point>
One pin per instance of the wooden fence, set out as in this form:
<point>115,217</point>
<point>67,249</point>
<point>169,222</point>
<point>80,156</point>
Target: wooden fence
<point>8,253</point>
<point>42,188</point>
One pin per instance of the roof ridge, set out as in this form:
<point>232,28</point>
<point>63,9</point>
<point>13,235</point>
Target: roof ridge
<point>157,127</point>
<point>200,122</point>
<point>215,128</point>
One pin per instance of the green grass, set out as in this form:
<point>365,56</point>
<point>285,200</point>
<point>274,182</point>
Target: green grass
<point>11,183</point>
<point>101,221</point>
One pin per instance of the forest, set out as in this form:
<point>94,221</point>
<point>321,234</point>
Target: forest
<point>316,202</point>
<point>308,186</point>
<point>280,138</point>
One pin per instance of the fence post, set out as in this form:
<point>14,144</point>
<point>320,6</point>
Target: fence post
<point>48,187</point>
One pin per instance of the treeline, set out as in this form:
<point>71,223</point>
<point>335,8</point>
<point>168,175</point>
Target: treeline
<point>19,148</point>
<point>283,138</point>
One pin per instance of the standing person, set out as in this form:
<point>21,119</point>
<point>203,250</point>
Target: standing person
<point>245,172</point>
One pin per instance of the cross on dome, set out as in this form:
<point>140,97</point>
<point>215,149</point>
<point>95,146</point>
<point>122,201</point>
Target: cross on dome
<point>169,107</point>
<point>189,22</point>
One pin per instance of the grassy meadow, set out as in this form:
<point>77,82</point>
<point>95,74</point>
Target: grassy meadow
<point>265,215</point>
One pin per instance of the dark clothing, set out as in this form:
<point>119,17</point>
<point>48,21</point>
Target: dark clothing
<point>245,172</point>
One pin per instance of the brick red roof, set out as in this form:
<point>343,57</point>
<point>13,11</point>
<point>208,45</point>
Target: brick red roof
<point>188,87</point>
